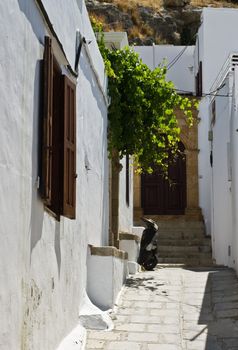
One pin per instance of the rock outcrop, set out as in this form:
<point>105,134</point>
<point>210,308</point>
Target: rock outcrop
<point>174,22</point>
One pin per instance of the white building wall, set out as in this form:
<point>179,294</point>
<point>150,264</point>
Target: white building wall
<point>217,23</point>
<point>216,40</point>
<point>221,180</point>
<point>181,72</point>
<point>225,175</point>
<point>43,261</point>
<point>204,169</point>
<point>234,162</point>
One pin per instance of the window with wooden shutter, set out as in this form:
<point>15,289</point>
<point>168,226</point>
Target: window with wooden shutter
<point>46,175</point>
<point>69,172</point>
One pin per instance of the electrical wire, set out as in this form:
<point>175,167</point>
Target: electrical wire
<point>176,58</point>
<point>203,95</point>
<point>212,93</point>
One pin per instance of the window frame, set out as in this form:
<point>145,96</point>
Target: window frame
<point>58,173</point>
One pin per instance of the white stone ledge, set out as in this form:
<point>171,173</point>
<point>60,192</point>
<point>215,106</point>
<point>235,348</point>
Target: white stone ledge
<point>108,251</point>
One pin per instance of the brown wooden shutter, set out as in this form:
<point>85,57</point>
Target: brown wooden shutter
<point>46,175</point>
<point>69,173</point>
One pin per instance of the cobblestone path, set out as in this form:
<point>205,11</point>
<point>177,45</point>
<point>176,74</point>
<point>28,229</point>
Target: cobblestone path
<point>174,309</point>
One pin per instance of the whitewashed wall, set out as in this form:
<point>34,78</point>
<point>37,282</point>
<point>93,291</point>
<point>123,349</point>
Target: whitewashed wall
<point>43,262</point>
<point>225,175</point>
<point>181,72</point>
<point>216,39</point>
<point>107,275</point>
<point>234,164</point>
<point>221,180</point>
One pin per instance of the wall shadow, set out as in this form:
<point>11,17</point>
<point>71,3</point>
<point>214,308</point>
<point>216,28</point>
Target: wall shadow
<point>97,96</point>
<point>34,18</point>
<point>90,76</point>
<point>37,208</point>
<point>105,190</point>
<point>217,324</point>
<point>58,246</point>
<point>80,5</point>
<point>31,12</point>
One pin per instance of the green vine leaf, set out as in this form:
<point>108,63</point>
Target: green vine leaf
<point>142,119</point>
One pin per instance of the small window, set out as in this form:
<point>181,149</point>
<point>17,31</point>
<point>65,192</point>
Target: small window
<point>58,178</point>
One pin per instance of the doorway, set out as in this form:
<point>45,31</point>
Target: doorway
<point>161,195</point>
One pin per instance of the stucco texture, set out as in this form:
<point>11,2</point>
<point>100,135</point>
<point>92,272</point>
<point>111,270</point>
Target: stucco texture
<point>43,262</point>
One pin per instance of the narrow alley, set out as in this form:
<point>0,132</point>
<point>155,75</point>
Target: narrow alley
<point>174,309</point>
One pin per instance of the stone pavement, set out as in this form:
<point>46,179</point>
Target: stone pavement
<point>174,309</point>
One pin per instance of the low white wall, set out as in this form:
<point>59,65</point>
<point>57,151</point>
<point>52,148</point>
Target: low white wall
<point>107,271</point>
<point>131,247</point>
<point>138,230</point>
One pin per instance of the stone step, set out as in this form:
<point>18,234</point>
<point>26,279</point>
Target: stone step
<point>181,234</point>
<point>183,229</point>
<point>174,224</point>
<point>184,242</point>
<point>186,261</point>
<point>180,224</point>
<point>194,249</point>
<point>184,255</point>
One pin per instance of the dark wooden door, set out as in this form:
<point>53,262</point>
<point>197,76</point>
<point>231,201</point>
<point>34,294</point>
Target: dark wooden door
<point>161,196</point>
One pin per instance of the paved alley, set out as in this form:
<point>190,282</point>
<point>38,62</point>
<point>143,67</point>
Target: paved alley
<point>174,309</point>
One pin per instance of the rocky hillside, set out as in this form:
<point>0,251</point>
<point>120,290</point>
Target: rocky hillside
<point>153,21</point>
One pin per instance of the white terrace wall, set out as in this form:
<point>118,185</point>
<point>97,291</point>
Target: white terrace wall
<point>43,261</point>
<point>216,39</point>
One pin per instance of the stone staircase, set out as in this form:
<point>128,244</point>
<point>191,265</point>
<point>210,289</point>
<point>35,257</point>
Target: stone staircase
<point>183,242</point>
